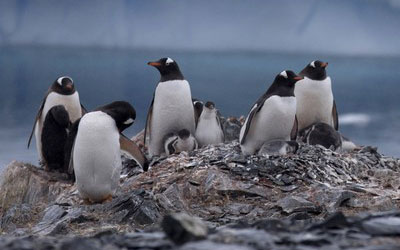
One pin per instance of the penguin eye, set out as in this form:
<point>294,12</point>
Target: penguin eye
<point>312,64</point>
<point>129,121</point>
<point>169,61</point>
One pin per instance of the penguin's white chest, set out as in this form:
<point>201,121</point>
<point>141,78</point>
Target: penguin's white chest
<point>71,104</point>
<point>273,122</point>
<point>96,156</point>
<point>172,111</point>
<point>314,102</point>
<point>208,130</point>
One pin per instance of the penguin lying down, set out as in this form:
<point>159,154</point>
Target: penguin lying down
<point>315,134</point>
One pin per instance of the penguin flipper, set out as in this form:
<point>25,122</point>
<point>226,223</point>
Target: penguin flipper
<point>133,150</point>
<point>254,110</point>
<point>148,121</point>
<point>39,113</point>
<point>83,110</point>
<point>335,116</point>
<point>293,133</point>
<point>221,126</point>
<point>69,148</point>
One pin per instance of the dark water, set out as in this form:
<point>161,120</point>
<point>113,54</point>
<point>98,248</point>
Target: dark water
<point>366,89</point>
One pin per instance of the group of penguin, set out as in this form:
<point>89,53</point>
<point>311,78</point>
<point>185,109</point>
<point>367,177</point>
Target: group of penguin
<point>88,145</point>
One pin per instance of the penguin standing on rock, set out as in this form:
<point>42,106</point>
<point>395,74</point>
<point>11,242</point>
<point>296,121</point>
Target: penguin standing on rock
<point>209,128</point>
<point>61,92</point>
<point>176,143</point>
<point>314,96</point>
<point>273,116</point>
<point>171,109</point>
<point>96,157</point>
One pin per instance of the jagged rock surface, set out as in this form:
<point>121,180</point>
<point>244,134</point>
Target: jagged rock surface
<point>247,202</point>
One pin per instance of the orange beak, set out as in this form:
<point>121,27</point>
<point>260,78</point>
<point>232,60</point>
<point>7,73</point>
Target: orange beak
<point>324,64</point>
<point>298,78</point>
<point>154,64</point>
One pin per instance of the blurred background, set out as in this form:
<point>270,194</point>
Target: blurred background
<point>229,50</point>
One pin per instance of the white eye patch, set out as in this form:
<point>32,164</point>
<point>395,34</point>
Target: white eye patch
<point>59,80</point>
<point>312,64</point>
<point>284,74</point>
<point>129,121</point>
<point>169,60</point>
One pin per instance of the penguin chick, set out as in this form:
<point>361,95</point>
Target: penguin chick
<point>176,143</point>
<point>54,136</point>
<point>321,134</point>
<point>278,147</point>
<point>209,128</point>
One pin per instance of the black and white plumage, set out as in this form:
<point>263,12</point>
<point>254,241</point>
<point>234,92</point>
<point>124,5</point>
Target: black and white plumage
<point>54,137</point>
<point>273,116</point>
<point>321,134</point>
<point>182,141</point>
<point>278,148</point>
<point>61,92</point>
<point>198,108</point>
<point>96,156</point>
<point>209,129</point>
<point>171,109</point>
<point>315,102</point>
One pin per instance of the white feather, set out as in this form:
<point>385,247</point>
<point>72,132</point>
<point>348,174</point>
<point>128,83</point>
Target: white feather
<point>96,156</point>
<point>129,121</point>
<point>172,111</point>
<point>208,130</point>
<point>169,60</point>
<point>312,64</point>
<point>273,122</point>
<point>314,102</point>
<point>284,74</point>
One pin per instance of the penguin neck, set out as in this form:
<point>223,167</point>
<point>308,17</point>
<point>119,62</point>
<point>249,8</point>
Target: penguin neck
<point>280,90</point>
<point>170,76</point>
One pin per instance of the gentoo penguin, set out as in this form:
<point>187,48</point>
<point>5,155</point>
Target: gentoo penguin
<point>321,134</point>
<point>171,109</point>
<point>209,128</point>
<point>198,108</point>
<point>273,116</point>
<point>96,157</point>
<point>61,92</point>
<point>176,143</point>
<point>54,137</point>
<point>314,96</point>
<point>278,147</point>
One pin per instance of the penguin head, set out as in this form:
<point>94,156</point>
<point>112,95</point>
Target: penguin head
<point>122,112</point>
<point>63,85</point>
<point>315,70</point>
<point>168,69</point>
<point>183,134</point>
<point>287,78</point>
<point>198,105</point>
<point>210,105</point>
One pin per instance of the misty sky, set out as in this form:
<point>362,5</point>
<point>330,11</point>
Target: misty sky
<point>321,26</point>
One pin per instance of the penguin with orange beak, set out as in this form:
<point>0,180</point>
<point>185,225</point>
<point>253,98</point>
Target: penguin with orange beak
<point>315,102</point>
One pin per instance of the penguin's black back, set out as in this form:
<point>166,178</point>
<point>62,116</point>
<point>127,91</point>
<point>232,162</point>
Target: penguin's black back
<point>54,136</point>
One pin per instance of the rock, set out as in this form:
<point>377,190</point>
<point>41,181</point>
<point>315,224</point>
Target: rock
<point>382,226</point>
<point>182,228</point>
<point>206,245</point>
<point>291,204</point>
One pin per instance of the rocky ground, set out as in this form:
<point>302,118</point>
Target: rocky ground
<point>313,199</point>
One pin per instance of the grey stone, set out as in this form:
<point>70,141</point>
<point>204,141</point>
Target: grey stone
<point>182,228</point>
<point>382,226</point>
<point>291,204</point>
